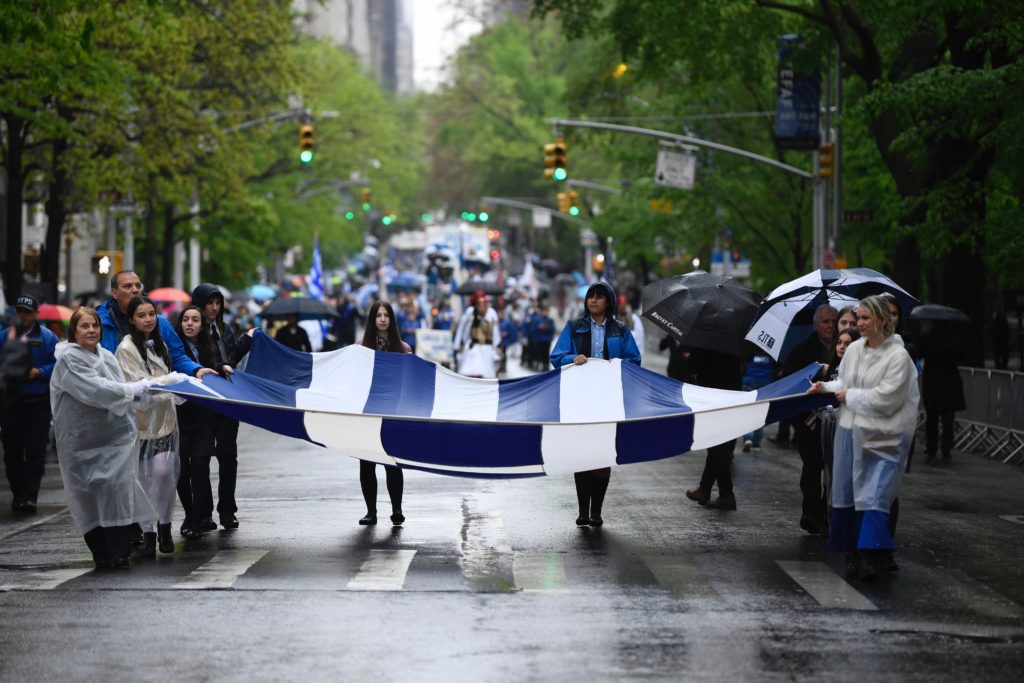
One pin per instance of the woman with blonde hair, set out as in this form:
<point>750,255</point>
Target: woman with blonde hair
<point>877,391</point>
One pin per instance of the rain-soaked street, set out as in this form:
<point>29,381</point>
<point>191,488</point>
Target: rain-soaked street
<point>491,580</point>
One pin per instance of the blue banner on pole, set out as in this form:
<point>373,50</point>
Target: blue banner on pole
<point>797,100</point>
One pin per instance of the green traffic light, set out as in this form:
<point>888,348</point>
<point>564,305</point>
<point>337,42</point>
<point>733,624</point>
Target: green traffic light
<point>367,206</point>
<point>425,217</point>
<point>574,211</point>
<point>470,217</point>
<point>484,216</point>
<point>306,156</point>
<point>386,220</point>
<point>349,215</point>
<point>560,174</point>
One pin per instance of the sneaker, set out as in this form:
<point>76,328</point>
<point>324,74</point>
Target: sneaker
<point>747,445</point>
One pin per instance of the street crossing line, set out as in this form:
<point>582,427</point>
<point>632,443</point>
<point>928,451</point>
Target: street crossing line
<point>222,571</point>
<point>35,523</point>
<point>540,572</point>
<point>825,586</point>
<point>44,580</point>
<point>975,595</point>
<point>679,576</point>
<point>383,570</point>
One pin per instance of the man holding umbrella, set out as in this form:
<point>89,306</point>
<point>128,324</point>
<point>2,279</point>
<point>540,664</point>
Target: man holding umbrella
<point>815,349</point>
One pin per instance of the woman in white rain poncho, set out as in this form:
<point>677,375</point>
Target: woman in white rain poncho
<point>96,439</point>
<point>877,390</point>
<point>143,355</point>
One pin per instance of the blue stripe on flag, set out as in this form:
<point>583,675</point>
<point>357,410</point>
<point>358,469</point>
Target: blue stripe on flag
<point>796,383</point>
<point>646,440</point>
<point>500,474</point>
<point>462,445</point>
<point>392,372</point>
<point>530,399</point>
<point>248,388</point>
<point>278,363</point>
<point>647,394</point>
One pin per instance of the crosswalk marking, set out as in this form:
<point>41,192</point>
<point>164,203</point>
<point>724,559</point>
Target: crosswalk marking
<point>44,580</point>
<point>679,576</point>
<point>825,586</point>
<point>222,571</point>
<point>973,594</point>
<point>540,572</point>
<point>383,570</point>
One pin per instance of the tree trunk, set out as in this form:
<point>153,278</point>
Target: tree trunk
<point>14,152</point>
<point>149,255</point>
<point>167,264</point>
<point>56,216</point>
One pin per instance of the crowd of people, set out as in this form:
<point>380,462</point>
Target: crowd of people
<point>127,455</point>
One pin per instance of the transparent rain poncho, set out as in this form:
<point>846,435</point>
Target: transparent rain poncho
<point>96,439</point>
<point>159,465</point>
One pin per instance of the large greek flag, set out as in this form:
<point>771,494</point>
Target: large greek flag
<point>398,409</point>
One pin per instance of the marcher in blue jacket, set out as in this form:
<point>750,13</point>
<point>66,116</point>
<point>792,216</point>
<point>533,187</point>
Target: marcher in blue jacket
<point>25,426</point>
<point>114,320</point>
<point>595,334</point>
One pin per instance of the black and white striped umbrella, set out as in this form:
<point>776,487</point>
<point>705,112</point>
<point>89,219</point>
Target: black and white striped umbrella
<point>786,315</point>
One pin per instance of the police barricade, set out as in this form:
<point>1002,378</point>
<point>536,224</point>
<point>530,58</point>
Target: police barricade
<point>993,423</point>
<point>435,345</point>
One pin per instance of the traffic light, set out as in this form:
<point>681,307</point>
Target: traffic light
<point>564,202</point>
<point>574,203</point>
<point>826,160</point>
<point>107,262</point>
<point>306,144</point>
<point>556,160</point>
<point>367,196</point>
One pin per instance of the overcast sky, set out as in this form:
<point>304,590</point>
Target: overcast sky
<point>433,42</point>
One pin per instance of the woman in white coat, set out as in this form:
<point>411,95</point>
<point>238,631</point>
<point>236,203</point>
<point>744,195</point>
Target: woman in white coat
<point>877,390</point>
<point>96,438</point>
<point>143,356</point>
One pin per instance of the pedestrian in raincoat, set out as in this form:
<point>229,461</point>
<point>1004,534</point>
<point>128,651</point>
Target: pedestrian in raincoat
<point>96,438</point>
<point>143,355</point>
<point>478,338</point>
<point>878,394</point>
<point>595,334</point>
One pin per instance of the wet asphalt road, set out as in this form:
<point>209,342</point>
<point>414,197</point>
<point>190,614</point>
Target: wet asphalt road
<point>491,580</point>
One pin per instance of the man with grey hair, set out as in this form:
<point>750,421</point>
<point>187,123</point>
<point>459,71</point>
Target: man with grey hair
<point>815,349</point>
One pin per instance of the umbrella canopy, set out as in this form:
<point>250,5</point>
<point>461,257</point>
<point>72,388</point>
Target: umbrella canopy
<point>405,281</point>
<point>470,287</point>
<point>302,306</point>
<point>702,310</point>
<point>786,315</point>
<point>169,295</point>
<point>53,313</point>
<point>923,312</point>
<point>261,292</point>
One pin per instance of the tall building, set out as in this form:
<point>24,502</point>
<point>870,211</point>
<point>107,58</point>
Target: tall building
<point>378,32</point>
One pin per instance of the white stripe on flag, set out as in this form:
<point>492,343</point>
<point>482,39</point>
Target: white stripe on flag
<point>462,398</point>
<point>591,392</point>
<point>341,381</point>
<point>718,426</point>
<point>577,448</point>
<point>357,436</point>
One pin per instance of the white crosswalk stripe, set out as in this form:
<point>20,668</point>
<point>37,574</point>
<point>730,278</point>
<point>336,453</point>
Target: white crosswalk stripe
<point>383,570</point>
<point>825,586</point>
<point>43,580</point>
<point>540,572</point>
<point>222,571</point>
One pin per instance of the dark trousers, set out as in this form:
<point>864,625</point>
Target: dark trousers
<point>590,489</point>
<point>194,490</point>
<point>225,449</point>
<point>368,483</point>
<point>25,432</point>
<point>931,431</point>
<point>808,442</point>
<point>110,542</point>
<point>718,468</point>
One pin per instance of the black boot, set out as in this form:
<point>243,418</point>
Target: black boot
<point>148,545</point>
<point>599,486</point>
<point>166,542</point>
<point>583,497</point>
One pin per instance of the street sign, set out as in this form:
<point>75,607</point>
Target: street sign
<point>588,238</point>
<point>675,169</point>
<point>859,216</point>
<point>541,218</point>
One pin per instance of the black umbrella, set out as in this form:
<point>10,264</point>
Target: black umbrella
<point>304,307</point>
<point>702,310</point>
<point>470,287</point>
<point>939,312</point>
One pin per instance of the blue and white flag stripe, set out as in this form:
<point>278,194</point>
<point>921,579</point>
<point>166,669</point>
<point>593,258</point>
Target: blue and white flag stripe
<point>399,409</point>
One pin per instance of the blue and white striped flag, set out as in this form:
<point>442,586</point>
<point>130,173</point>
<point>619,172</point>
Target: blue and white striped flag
<point>316,273</point>
<point>398,409</point>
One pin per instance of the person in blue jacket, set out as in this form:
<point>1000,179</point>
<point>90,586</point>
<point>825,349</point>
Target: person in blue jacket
<point>114,320</point>
<point>595,334</point>
<point>25,426</point>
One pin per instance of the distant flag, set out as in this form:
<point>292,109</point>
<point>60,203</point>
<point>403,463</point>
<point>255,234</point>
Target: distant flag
<point>316,273</point>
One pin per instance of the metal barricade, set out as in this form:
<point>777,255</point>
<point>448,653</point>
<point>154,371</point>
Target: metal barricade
<point>993,423</point>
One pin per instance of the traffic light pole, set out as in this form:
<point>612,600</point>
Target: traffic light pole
<point>501,201</point>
